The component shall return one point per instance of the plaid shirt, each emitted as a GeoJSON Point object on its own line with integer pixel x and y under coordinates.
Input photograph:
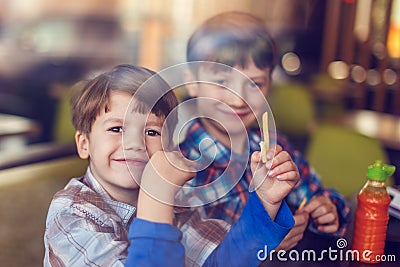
{"type": "Point", "coordinates": [236, 182]}
{"type": "Point", "coordinates": [85, 227]}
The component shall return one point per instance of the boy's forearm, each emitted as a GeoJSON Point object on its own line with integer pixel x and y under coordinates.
{"type": "Point", "coordinates": [153, 210]}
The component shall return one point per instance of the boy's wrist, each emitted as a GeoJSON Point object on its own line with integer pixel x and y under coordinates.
{"type": "Point", "coordinates": [151, 209]}
{"type": "Point", "coordinates": [158, 188]}
{"type": "Point", "coordinates": [271, 208]}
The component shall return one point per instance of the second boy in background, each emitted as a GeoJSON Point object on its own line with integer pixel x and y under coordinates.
{"type": "Point", "coordinates": [241, 41]}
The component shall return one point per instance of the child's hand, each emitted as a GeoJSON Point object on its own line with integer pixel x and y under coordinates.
{"type": "Point", "coordinates": [282, 177]}
{"type": "Point", "coordinates": [162, 177]}
{"type": "Point", "coordinates": [296, 233]}
{"type": "Point", "coordinates": [324, 214]}
{"type": "Point", "coordinates": [171, 167]}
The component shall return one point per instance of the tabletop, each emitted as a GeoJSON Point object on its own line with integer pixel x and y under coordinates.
{"type": "Point", "coordinates": [382, 126]}
{"type": "Point", "coordinates": [12, 125]}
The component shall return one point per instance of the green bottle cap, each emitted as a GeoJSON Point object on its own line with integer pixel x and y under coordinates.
{"type": "Point", "coordinates": [379, 171]}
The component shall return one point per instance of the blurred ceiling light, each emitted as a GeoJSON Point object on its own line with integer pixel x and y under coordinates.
{"type": "Point", "coordinates": [389, 76]}
{"type": "Point", "coordinates": [291, 63]}
{"type": "Point", "coordinates": [373, 77]}
{"type": "Point", "coordinates": [358, 74]}
{"type": "Point", "coordinates": [393, 41]}
{"type": "Point", "coordinates": [362, 20]}
{"type": "Point", "coordinates": [367, 124]}
{"type": "Point", "coordinates": [338, 70]}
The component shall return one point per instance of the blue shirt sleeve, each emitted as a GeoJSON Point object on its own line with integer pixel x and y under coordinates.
{"type": "Point", "coordinates": [154, 244]}
{"type": "Point", "coordinates": [253, 236]}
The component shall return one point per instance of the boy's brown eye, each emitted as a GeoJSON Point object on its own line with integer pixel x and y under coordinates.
{"type": "Point", "coordinates": [256, 85]}
{"type": "Point", "coordinates": [117, 129]}
{"type": "Point", "coordinates": [152, 133]}
{"type": "Point", "coordinates": [221, 82]}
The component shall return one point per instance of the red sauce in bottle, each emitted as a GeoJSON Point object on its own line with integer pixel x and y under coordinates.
{"type": "Point", "coordinates": [371, 216]}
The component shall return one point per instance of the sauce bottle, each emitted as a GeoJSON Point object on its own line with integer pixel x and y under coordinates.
{"type": "Point", "coordinates": [372, 216]}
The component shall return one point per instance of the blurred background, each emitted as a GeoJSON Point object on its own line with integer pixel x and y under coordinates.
{"type": "Point", "coordinates": [339, 69]}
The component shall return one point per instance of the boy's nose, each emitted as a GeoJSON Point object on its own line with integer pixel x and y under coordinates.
{"type": "Point", "coordinates": [134, 140]}
{"type": "Point", "coordinates": [235, 100]}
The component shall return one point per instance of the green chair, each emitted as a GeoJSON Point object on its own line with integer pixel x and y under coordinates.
{"type": "Point", "coordinates": [293, 109]}
{"type": "Point", "coordinates": [341, 157]}
{"type": "Point", "coordinates": [64, 131]}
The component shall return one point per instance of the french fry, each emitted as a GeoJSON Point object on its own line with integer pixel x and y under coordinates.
{"type": "Point", "coordinates": [264, 145]}
{"type": "Point", "coordinates": [303, 203]}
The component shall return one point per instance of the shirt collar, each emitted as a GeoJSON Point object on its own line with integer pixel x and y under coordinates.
{"type": "Point", "coordinates": [123, 210]}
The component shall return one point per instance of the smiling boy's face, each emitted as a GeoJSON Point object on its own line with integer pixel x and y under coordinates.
{"type": "Point", "coordinates": [113, 144]}
{"type": "Point", "coordinates": [242, 98]}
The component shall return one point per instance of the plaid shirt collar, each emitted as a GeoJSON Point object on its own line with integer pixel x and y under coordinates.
{"type": "Point", "coordinates": [123, 210]}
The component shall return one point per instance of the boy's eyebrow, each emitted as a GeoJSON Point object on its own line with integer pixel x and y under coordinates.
{"type": "Point", "coordinates": [153, 123]}
{"type": "Point", "coordinates": [258, 77]}
{"type": "Point", "coordinates": [113, 120]}
{"type": "Point", "coordinates": [222, 71]}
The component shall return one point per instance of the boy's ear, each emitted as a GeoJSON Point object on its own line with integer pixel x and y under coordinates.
{"type": "Point", "coordinates": [190, 84]}
{"type": "Point", "coordinates": [82, 144]}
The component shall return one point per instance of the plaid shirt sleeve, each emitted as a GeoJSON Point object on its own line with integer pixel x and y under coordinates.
{"type": "Point", "coordinates": [310, 185]}
{"type": "Point", "coordinates": [200, 236]}
{"type": "Point", "coordinates": [75, 241]}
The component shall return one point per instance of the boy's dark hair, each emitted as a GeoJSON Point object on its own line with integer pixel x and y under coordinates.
{"type": "Point", "coordinates": [233, 38]}
{"type": "Point", "coordinates": [154, 96]}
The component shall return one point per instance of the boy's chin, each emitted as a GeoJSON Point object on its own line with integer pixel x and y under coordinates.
{"type": "Point", "coordinates": [136, 177]}
{"type": "Point", "coordinates": [134, 186]}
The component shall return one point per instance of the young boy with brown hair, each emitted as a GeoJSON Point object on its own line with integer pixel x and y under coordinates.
{"type": "Point", "coordinates": [125, 133]}
{"type": "Point", "coordinates": [88, 221]}
{"type": "Point", "coordinates": [241, 41]}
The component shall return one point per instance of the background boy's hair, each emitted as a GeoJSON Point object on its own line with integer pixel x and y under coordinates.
{"type": "Point", "coordinates": [154, 96]}
{"type": "Point", "coordinates": [233, 38]}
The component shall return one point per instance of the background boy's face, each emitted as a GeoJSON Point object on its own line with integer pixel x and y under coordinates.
{"type": "Point", "coordinates": [114, 144]}
{"type": "Point", "coordinates": [245, 97]}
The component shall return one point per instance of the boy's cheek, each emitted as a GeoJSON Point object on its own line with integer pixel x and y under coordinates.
{"type": "Point", "coordinates": [153, 148]}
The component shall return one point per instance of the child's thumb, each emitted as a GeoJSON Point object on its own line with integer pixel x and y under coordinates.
{"type": "Point", "coordinates": [255, 161]}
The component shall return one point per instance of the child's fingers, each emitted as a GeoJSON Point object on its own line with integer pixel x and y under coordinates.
{"type": "Point", "coordinates": [323, 210]}
{"type": "Point", "coordinates": [258, 169]}
{"type": "Point", "coordinates": [282, 168]}
{"type": "Point", "coordinates": [255, 161]}
{"type": "Point", "coordinates": [319, 206]}
{"type": "Point", "coordinates": [291, 176]}
{"type": "Point", "coordinates": [256, 156]}
{"type": "Point", "coordinates": [330, 229]}
{"type": "Point", "coordinates": [272, 152]}
{"type": "Point", "coordinates": [328, 218]}
{"type": "Point", "coordinates": [279, 158]}
{"type": "Point", "coordinates": [187, 164]}
{"type": "Point", "coordinates": [173, 167]}
{"type": "Point", "coordinates": [300, 219]}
